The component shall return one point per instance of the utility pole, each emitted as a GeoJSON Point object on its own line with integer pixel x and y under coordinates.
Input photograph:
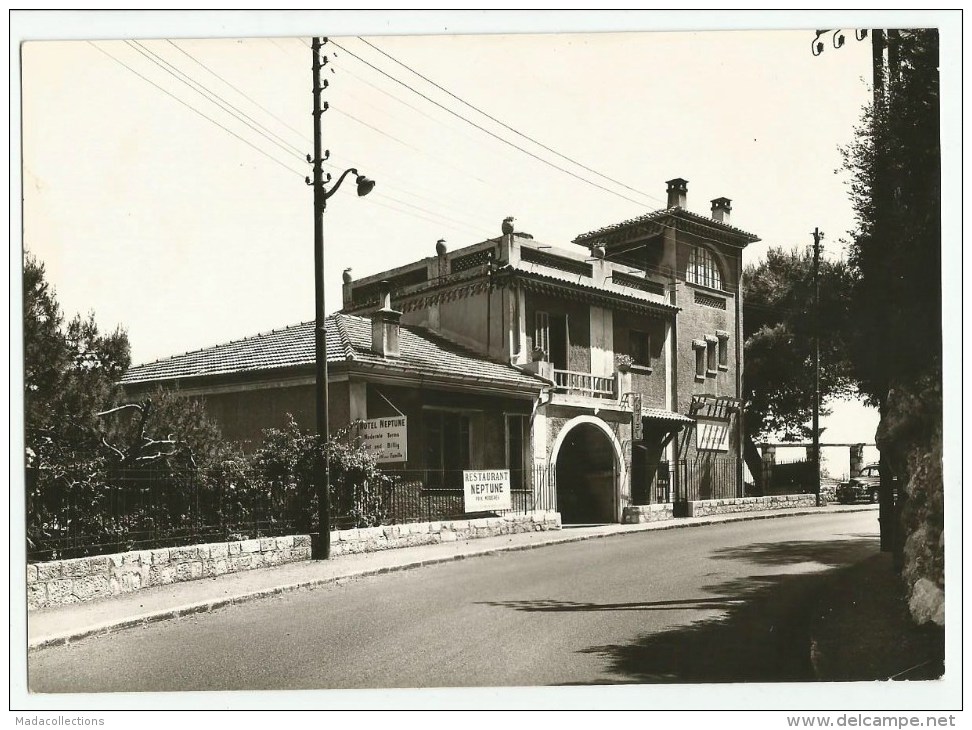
{"type": "Point", "coordinates": [817, 237]}
{"type": "Point", "coordinates": [322, 476]}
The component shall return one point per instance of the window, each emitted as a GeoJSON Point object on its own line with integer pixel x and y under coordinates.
{"type": "Point", "coordinates": [703, 269]}
{"type": "Point", "coordinates": [551, 336]}
{"type": "Point", "coordinates": [723, 350]}
{"type": "Point", "coordinates": [541, 335]}
{"type": "Point", "coordinates": [446, 448]}
{"type": "Point", "coordinates": [518, 449]}
{"type": "Point", "coordinates": [639, 347]}
{"type": "Point", "coordinates": [700, 347]}
{"type": "Point", "coordinates": [710, 355]}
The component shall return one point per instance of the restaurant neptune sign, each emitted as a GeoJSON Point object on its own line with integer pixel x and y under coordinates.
{"type": "Point", "coordinates": [486, 490]}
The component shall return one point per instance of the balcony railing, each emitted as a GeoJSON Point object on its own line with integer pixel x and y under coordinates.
{"type": "Point", "coordinates": [592, 386]}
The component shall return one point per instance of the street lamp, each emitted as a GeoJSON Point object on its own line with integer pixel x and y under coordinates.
{"type": "Point", "coordinates": [323, 480]}
{"type": "Point", "coordinates": [322, 472]}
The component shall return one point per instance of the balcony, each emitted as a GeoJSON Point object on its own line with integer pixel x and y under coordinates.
{"type": "Point", "coordinates": [584, 384]}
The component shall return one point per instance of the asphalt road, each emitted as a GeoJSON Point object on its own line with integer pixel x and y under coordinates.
{"type": "Point", "coordinates": [711, 604]}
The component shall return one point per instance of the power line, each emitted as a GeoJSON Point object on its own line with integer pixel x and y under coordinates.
{"type": "Point", "coordinates": [404, 190]}
{"type": "Point", "coordinates": [527, 152]}
{"type": "Point", "coordinates": [406, 144]}
{"type": "Point", "coordinates": [431, 212]}
{"type": "Point", "coordinates": [425, 218]}
{"type": "Point", "coordinates": [515, 146]}
{"type": "Point", "coordinates": [431, 156]}
{"type": "Point", "coordinates": [505, 125]}
{"type": "Point", "coordinates": [486, 131]}
{"type": "Point", "coordinates": [203, 91]}
{"type": "Point", "coordinates": [238, 90]}
{"type": "Point", "coordinates": [194, 109]}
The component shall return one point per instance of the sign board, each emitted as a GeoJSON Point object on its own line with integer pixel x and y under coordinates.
{"type": "Point", "coordinates": [637, 427]}
{"type": "Point", "coordinates": [387, 438]}
{"type": "Point", "coordinates": [486, 490]}
{"type": "Point", "coordinates": [712, 435]}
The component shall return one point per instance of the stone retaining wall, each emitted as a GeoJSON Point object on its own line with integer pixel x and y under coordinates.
{"type": "Point", "coordinates": [705, 507]}
{"type": "Point", "coordinates": [102, 576]}
{"type": "Point", "coordinates": [637, 514]}
{"type": "Point", "coordinates": [60, 582]}
{"type": "Point", "coordinates": [388, 537]}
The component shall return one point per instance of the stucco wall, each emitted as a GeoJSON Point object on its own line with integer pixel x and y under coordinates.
{"type": "Point", "coordinates": [650, 385]}
{"type": "Point", "coordinates": [242, 415]}
{"type": "Point", "coordinates": [695, 322]}
{"type": "Point", "coordinates": [464, 320]}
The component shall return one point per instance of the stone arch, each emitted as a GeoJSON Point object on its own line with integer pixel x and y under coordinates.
{"type": "Point", "coordinates": [590, 472]}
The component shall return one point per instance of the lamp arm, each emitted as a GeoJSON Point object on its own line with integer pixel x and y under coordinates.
{"type": "Point", "coordinates": [334, 188]}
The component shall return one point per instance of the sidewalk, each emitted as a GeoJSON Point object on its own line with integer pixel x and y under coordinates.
{"type": "Point", "coordinates": [52, 626]}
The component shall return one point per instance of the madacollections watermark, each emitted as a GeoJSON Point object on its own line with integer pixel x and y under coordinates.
{"type": "Point", "coordinates": [59, 721]}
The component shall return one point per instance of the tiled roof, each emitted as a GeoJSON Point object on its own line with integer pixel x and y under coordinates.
{"type": "Point", "coordinates": [616, 292]}
{"type": "Point", "coordinates": [348, 340]}
{"type": "Point", "coordinates": [658, 214]}
{"type": "Point", "coordinates": [658, 414]}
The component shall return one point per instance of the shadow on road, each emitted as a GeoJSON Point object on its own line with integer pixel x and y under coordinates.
{"type": "Point", "coordinates": [849, 550]}
{"type": "Point", "coordinates": [762, 633]}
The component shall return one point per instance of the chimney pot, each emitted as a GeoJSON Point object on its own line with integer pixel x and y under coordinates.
{"type": "Point", "coordinates": [677, 192]}
{"type": "Point", "coordinates": [385, 324]}
{"type": "Point", "coordinates": [721, 208]}
{"type": "Point", "coordinates": [384, 294]}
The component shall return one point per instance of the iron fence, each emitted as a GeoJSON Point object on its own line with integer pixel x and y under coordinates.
{"type": "Point", "coordinates": [144, 509]}
{"type": "Point", "coordinates": [707, 478]}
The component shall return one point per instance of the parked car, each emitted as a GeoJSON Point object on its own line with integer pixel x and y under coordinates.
{"type": "Point", "coordinates": [862, 488]}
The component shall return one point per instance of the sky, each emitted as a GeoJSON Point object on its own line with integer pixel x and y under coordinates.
{"type": "Point", "coordinates": [186, 220]}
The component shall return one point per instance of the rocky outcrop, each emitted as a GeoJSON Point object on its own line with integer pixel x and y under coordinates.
{"type": "Point", "coordinates": [911, 434]}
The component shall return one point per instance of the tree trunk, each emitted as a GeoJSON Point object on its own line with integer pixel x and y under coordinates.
{"type": "Point", "coordinates": [754, 461]}
{"type": "Point", "coordinates": [886, 511]}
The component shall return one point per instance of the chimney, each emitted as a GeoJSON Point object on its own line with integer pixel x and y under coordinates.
{"type": "Point", "coordinates": [677, 192]}
{"type": "Point", "coordinates": [384, 324]}
{"type": "Point", "coordinates": [721, 208]}
{"type": "Point", "coordinates": [347, 293]}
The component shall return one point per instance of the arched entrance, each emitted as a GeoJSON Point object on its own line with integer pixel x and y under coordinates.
{"type": "Point", "coordinates": [587, 474]}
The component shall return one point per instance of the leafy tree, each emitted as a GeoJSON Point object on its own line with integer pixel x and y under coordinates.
{"type": "Point", "coordinates": [83, 441]}
{"type": "Point", "coordinates": [70, 370]}
{"type": "Point", "coordinates": [895, 163]}
{"type": "Point", "coordinates": [779, 340]}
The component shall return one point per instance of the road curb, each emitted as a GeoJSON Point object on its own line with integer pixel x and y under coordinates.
{"type": "Point", "coordinates": [190, 609]}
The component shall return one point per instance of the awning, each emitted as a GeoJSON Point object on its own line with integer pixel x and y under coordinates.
{"type": "Point", "coordinates": [662, 416]}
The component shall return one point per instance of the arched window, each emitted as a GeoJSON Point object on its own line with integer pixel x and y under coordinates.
{"type": "Point", "coordinates": [703, 268]}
